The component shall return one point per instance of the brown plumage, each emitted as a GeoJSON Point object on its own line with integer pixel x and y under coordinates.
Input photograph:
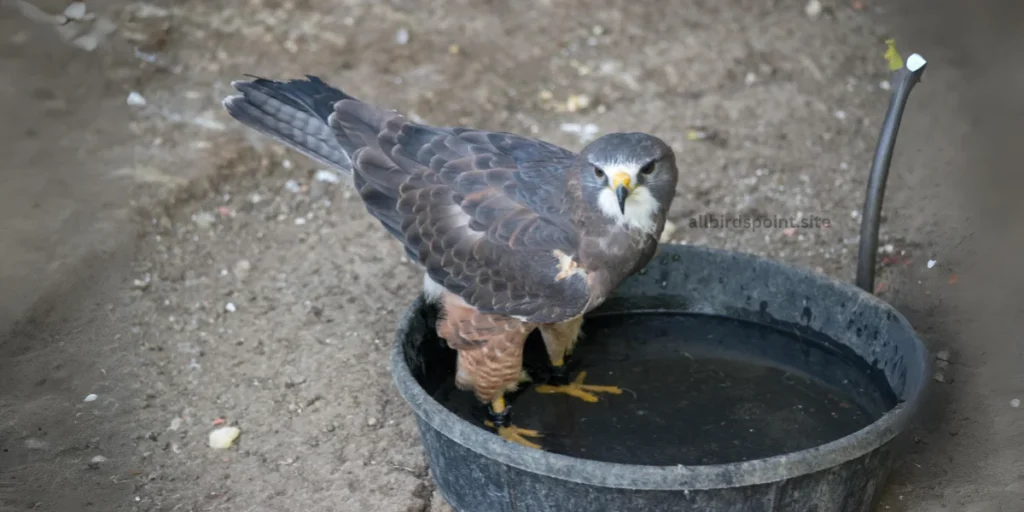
{"type": "Point", "coordinates": [513, 233]}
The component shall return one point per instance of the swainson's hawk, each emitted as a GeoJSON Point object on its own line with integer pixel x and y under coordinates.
{"type": "Point", "coordinates": [514, 233]}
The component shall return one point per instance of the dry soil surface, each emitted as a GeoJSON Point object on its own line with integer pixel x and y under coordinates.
{"type": "Point", "coordinates": [165, 271]}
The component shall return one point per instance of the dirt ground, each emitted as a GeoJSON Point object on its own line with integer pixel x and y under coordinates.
{"type": "Point", "coordinates": [186, 271]}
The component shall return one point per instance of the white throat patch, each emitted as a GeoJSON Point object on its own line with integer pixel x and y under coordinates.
{"type": "Point", "coordinates": [641, 206]}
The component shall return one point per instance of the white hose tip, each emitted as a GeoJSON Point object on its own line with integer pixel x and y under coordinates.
{"type": "Point", "coordinates": [915, 62]}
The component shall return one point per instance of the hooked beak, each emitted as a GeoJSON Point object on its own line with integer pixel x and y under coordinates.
{"type": "Point", "coordinates": [623, 186]}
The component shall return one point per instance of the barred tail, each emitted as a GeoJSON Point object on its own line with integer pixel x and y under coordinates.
{"type": "Point", "coordinates": [294, 113]}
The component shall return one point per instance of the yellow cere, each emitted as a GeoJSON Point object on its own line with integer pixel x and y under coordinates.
{"type": "Point", "coordinates": [621, 179]}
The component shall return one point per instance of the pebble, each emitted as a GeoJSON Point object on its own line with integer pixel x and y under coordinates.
{"type": "Point", "coordinates": [75, 11]}
{"type": "Point", "coordinates": [813, 9]}
{"type": "Point", "coordinates": [230, 307]}
{"type": "Point", "coordinates": [942, 355]}
{"type": "Point", "coordinates": [90, 397]}
{"type": "Point", "coordinates": [300, 221]}
{"type": "Point", "coordinates": [292, 186]}
{"type": "Point", "coordinates": [577, 102]}
{"type": "Point", "coordinates": [136, 100]}
{"type": "Point", "coordinates": [224, 437]}
{"type": "Point", "coordinates": [931, 263]}
{"type": "Point", "coordinates": [175, 424]}
{"type": "Point", "coordinates": [327, 176]}
{"type": "Point", "coordinates": [204, 220]}
{"type": "Point", "coordinates": [840, 115]}
{"type": "Point", "coordinates": [884, 85]}
{"type": "Point", "coordinates": [35, 444]}
{"type": "Point", "coordinates": [1015, 403]}
{"type": "Point", "coordinates": [143, 283]}
{"type": "Point", "coordinates": [242, 268]}
{"type": "Point", "coordinates": [372, 422]}
{"type": "Point", "coordinates": [402, 36]}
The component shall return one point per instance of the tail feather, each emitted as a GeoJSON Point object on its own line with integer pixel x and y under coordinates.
{"type": "Point", "coordinates": [294, 113]}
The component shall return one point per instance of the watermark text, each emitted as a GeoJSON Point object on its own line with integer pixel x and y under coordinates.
{"type": "Point", "coordinates": [756, 222]}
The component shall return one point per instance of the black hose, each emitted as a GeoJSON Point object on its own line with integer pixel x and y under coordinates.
{"type": "Point", "coordinates": [904, 80]}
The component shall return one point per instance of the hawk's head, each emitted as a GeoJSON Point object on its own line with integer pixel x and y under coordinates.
{"type": "Point", "coordinates": [630, 177]}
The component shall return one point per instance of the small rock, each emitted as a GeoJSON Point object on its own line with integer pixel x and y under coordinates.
{"type": "Point", "coordinates": [95, 462]}
{"type": "Point", "coordinates": [813, 9]}
{"type": "Point", "coordinates": [577, 102]}
{"type": "Point", "coordinates": [146, 11]}
{"type": "Point", "coordinates": [143, 283]}
{"type": "Point", "coordinates": [292, 186]}
{"type": "Point", "coordinates": [931, 263]}
{"type": "Point", "coordinates": [840, 115]}
{"type": "Point", "coordinates": [222, 438]}
{"type": "Point", "coordinates": [942, 355]}
{"type": "Point", "coordinates": [1015, 403]}
{"type": "Point", "coordinates": [453, 49]}
{"type": "Point", "coordinates": [750, 78]}
{"type": "Point", "coordinates": [402, 36]}
{"type": "Point", "coordinates": [372, 422]}
{"type": "Point", "coordinates": [706, 135]}
{"type": "Point", "coordinates": [204, 220]}
{"type": "Point", "coordinates": [175, 424]}
{"type": "Point", "coordinates": [91, 397]}
{"type": "Point", "coordinates": [884, 85]}
{"type": "Point", "coordinates": [35, 444]}
{"type": "Point", "coordinates": [327, 176]}
{"type": "Point", "coordinates": [939, 377]}
{"type": "Point", "coordinates": [301, 221]}
{"type": "Point", "coordinates": [75, 11]}
{"type": "Point", "coordinates": [230, 307]}
{"type": "Point", "coordinates": [242, 269]}
{"type": "Point", "coordinates": [136, 100]}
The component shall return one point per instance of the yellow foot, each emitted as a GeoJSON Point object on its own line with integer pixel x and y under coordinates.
{"type": "Point", "coordinates": [578, 389]}
{"type": "Point", "coordinates": [517, 435]}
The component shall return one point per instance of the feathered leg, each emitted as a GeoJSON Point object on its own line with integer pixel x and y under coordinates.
{"type": "Point", "coordinates": [490, 360]}
{"type": "Point", "coordinates": [560, 339]}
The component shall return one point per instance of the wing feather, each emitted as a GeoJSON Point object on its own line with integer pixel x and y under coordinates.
{"type": "Point", "coordinates": [483, 212]}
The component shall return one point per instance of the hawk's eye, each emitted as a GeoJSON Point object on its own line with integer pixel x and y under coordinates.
{"type": "Point", "coordinates": [649, 168]}
{"type": "Point", "coordinates": [599, 173]}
